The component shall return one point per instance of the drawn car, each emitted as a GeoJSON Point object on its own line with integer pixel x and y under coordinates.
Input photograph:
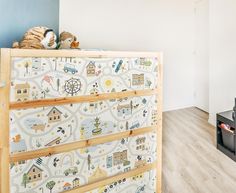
{"type": "Point", "coordinates": [54, 142]}
{"type": "Point", "coordinates": [70, 68]}
{"type": "Point", "coordinates": [140, 189]}
{"type": "Point", "coordinates": [71, 170]}
{"type": "Point", "coordinates": [135, 125]}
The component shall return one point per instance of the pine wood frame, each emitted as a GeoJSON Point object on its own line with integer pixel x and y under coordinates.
{"type": "Point", "coordinates": [6, 105]}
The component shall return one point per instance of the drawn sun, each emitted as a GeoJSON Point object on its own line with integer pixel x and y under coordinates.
{"type": "Point", "coordinates": [108, 82]}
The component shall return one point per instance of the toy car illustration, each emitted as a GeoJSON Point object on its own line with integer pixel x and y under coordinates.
{"type": "Point", "coordinates": [136, 124]}
{"type": "Point", "coordinates": [140, 189]}
{"type": "Point", "coordinates": [54, 142]}
{"type": "Point", "coordinates": [70, 68]}
{"type": "Point", "coordinates": [71, 170]}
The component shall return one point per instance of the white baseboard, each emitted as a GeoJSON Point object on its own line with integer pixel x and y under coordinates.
{"type": "Point", "coordinates": [212, 120]}
{"type": "Point", "coordinates": [177, 108]}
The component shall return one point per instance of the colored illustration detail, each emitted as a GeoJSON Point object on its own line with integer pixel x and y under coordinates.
{"type": "Point", "coordinates": [39, 78]}
{"type": "Point", "coordinates": [30, 129]}
{"type": "Point", "coordinates": [66, 171]}
{"type": "Point", "coordinates": [37, 128]}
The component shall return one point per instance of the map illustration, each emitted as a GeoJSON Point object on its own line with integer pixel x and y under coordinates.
{"type": "Point", "coordinates": [42, 127]}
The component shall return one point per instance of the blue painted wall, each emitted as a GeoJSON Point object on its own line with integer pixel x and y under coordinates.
{"type": "Point", "coordinates": [17, 16]}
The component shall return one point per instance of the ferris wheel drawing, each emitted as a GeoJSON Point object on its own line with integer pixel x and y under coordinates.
{"type": "Point", "coordinates": [72, 86]}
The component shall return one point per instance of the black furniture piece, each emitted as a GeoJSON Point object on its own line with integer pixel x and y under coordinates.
{"type": "Point", "coordinates": [226, 137]}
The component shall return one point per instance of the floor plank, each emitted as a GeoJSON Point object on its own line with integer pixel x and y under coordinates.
{"type": "Point", "coordinates": [191, 162]}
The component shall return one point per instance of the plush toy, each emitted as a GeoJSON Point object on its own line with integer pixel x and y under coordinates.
{"type": "Point", "coordinates": [37, 38]}
{"type": "Point", "coordinates": [68, 41]}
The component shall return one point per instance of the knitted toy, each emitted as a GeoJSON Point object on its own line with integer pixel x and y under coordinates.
{"type": "Point", "coordinates": [37, 38]}
{"type": "Point", "coordinates": [68, 41]}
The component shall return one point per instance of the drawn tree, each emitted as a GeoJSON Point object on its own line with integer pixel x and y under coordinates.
{"type": "Point", "coordinates": [148, 83]}
{"type": "Point", "coordinates": [127, 125]}
{"type": "Point", "coordinates": [70, 127]}
{"type": "Point", "coordinates": [58, 84]}
{"type": "Point", "coordinates": [131, 106]}
{"type": "Point", "coordinates": [41, 188]}
{"type": "Point", "coordinates": [89, 161]}
{"type": "Point", "coordinates": [55, 64]}
{"type": "Point", "coordinates": [27, 67]}
{"type": "Point", "coordinates": [44, 92]}
{"type": "Point", "coordinates": [72, 86]}
{"type": "Point", "coordinates": [50, 185]}
{"type": "Point", "coordinates": [144, 101]}
{"type": "Point", "coordinates": [25, 180]}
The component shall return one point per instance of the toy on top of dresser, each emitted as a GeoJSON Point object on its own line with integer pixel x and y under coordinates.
{"type": "Point", "coordinates": [68, 41]}
{"type": "Point", "coordinates": [37, 38]}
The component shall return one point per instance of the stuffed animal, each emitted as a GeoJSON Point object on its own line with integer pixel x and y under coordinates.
{"type": "Point", "coordinates": [37, 38]}
{"type": "Point", "coordinates": [68, 41]}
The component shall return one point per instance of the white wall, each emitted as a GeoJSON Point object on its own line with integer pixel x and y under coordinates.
{"type": "Point", "coordinates": [201, 72]}
{"type": "Point", "coordinates": [222, 56]}
{"type": "Point", "coordinates": [138, 25]}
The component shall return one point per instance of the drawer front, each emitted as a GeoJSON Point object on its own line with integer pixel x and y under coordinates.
{"type": "Point", "coordinates": [72, 169]}
{"type": "Point", "coordinates": [43, 127]}
{"type": "Point", "coordinates": [40, 78]}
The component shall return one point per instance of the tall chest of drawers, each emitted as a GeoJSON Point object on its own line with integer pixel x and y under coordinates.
{"type": "Point", "coordinates": [80, 121]}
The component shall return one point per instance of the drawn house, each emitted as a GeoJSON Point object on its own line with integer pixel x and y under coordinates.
{"type": "Point", "coordinates": [22, 92]}
{"type": "Point", "coordinates": [97, 175]}
{"type": "Point", "coordinates": [140, 143]}
{"type": "Point", "coordinates": [75, 182]}
{"type": "Point", "coordinates": [91, 69]}
{"type": "Point", "coordinates": [34, 174]}
{"type": "Point", "coordinates": [137, 79]}
{"type": "Point", "coordinates": [67, 186]}
{"type": "Point", "coordinates": [124, 110]}
{"type": "Point", "coordinates": [119, 157]}
{"type": "Point", "coordinates": [54, 115]}
{"type": "Point", "coordinates": [18, 146]}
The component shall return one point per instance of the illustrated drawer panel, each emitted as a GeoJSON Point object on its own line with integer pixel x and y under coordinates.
{"type": "Point", "coordinates": [68, 170]}
{"type": "Point", "coordinates": [141, 183]}
{"type": "Point", "coordinates": [40, 78]}
{"type": "Point", "coordinates": [36, 128]}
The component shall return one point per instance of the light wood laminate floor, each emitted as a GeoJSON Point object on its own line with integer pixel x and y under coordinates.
{"type": "Point", "coordinates": [191, 162]}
